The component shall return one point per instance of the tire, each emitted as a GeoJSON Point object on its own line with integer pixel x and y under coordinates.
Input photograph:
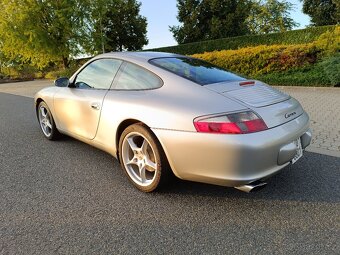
{"type": "Point", "coordinates": [46, 122]}
{"type": "Point", "coordinates": [142, 158]}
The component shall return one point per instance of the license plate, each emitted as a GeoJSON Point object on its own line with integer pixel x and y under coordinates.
{"type": "Point", "coordinates": [299, 151]}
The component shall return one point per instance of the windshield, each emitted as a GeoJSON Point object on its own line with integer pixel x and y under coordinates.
{"type": "Point", "coordinates": [195, 70]}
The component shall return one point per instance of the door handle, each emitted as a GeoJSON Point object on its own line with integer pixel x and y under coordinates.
{"type": "Point", "coordinates": [95, 106]}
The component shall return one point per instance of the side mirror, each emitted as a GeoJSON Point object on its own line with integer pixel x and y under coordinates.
{"type": "Point", "coordinates": [62, 82]}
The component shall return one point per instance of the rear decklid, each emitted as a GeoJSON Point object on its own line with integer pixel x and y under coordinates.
{"type": "Point", "coordinates": [253, 93]}
{"type": "Point", "coordinates": [274, 106]}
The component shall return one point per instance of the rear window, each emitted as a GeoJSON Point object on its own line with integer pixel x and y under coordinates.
{"type": "Point", "coordinates": [195, 70]}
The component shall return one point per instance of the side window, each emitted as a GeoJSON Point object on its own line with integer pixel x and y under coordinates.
{"type": "Point", "coordinates": [98, 74]}
{"type": "Point", "coordinates": [133, 77]}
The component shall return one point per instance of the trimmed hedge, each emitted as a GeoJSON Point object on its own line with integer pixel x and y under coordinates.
{"type": "Point", "coordinates": [331, 69]}
{"type": "Point", "coordinates": [311, 64]}
{"type": "Point", "coordinates": [313, 76]}
{"type": "Point", "coordinates": [290, 37]}
{"type": "Point", "coordinates": [263, 59]}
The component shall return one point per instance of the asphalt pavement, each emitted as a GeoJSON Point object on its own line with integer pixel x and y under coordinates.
{"type": "Point", "coordinates": [66, 197]}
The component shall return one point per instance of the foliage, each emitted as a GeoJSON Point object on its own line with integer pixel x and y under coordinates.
{"type": "Point", "coordinates": [329, 41]}
{"type": "Point", "coordinates": [263, 59]}
{"type": "Point", "coordinates": [22, 72]}
{"type": "Point", "coordinates": [313, 75]}
{"type": "Point", "coordinates": [290, 37]}
{"type": "Point", "coordinates": [52, 75]}
{"type": "Point", "coordinates": [270, 16]}
{"type": "Point", "coordinates": [331, 67]}
{"type": "Point", "coordinates": [210, 19]}
{"type": "Point", "coordinates": [312, 64]}
{"type": "Point", "coordinates": [57, 72]}
{"type": "Point", "coordinates": [324, 73]}
{"type": "Point", "coordinates": [41, 32]}
{"type": "Point", "coordinates": [38, 32]}
{"type": "Point", "coordinates": [322, 12]}
{"type": "Point", "coordinates": [18, 72]}
{"type": "Point", "coordinates": [116, 25]}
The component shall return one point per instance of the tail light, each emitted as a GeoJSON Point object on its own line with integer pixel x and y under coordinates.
{"type": "Point", "coordinates": [233, 123]}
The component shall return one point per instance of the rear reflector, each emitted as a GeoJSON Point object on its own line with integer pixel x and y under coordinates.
{"type": "Point", "coordinates": [234, 123]}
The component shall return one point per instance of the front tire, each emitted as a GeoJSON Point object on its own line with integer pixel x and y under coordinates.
{"type": "Point", "coordinates": [46, 122]}
{"type": "Point", "coordinates": [142, 158]}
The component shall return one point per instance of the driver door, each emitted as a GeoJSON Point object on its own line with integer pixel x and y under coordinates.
{"type": "Point", "coordinates": [78, 106]}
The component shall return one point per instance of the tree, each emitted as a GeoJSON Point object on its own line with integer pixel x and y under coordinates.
{"type": "Point", "coordinates": [116, 26]}
{"type": "Point", "coordinates": [270, 16]}
{"type": "Point", "coordinates": [39, 32]}
{"type": "Point", "coordinates": [322, 12]}
{"type": "Point", "coordinates": [210, 19]}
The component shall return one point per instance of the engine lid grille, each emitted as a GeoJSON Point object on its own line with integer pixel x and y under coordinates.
{"type": "Point", "coordinates": [258, 96]}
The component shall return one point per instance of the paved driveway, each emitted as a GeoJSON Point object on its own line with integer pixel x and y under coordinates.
{"type": "Point", "coordinates": [26, 88]}
{"type": "Point", "coordinates": [68, 198]}
{"type": "Point", "coordinates": [323, 106]}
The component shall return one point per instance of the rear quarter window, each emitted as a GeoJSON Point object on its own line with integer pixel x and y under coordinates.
{"type": "Point", "coordinates": [133, 77]}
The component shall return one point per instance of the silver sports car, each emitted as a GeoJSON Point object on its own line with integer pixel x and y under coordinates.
{"type": "Point", "coordinates": [162, 114]}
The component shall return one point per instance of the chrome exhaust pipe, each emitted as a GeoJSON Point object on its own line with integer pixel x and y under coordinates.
{"type": "Point", "coordinates": [257, 185]}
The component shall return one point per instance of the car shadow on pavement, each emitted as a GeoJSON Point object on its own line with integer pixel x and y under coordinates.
{"type": "Point", "coordinates": [315, 178]}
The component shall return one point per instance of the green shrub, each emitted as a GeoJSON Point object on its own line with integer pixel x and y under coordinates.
{"type": "Point", "coordinates": [331, 68]}
{"type": "Point", "coordinates": [301, 36]}
{"type": "Point", "coordinates": [59, 73]}
{"type": "Point", "coordinates": [18, 72]}
{"type": "Point", "coordinates": [313, 76]}
{"type": "Point", "coordinates": [324, 73]}
{"type": "Point", "coordinates": [80, 61]}
{"type": "Point", "coordinates": [312, 64]}
{"type": "Point", "coordinates": [39, 75]}
{"type": "Point", "coordinates": [10, 72]}
{"type": "Point", "coordinates": [329, 42]}
{"type": "Point", "coordinates": [263, 59]}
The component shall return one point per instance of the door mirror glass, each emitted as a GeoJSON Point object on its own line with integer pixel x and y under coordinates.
{"type": "Point", "coordinates": [62, 82]}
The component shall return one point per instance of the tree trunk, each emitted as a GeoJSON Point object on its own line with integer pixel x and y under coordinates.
{"type": "Point", "coordinates": [66, 62]}
{"type": "Point", "coordinates": [101, 35]}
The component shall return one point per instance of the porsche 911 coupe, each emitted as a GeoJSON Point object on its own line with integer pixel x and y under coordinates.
{"type": "Point", "coordinates": [161, 114]}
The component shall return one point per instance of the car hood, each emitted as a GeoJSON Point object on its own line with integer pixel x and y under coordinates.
{"type": "Point", "coordinates": [274, 106]}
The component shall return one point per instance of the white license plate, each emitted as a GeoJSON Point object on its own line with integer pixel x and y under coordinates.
{"type": "Point", "coordinates": [299, 151]}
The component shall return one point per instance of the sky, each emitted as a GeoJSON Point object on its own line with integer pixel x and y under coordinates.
{"type": "Point", "coordinates": [162, 13]}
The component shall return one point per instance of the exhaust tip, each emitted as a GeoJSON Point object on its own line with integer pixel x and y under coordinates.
{"type": "Point", "coordinates": [254, 186]}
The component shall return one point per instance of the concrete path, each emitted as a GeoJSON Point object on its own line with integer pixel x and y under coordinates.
{"type": "Point", "coordinates": [323, 107]}
{"type": "Point", "coordinates": [26, 88]}
{"type": "Point", "coordinates": [322, 104]}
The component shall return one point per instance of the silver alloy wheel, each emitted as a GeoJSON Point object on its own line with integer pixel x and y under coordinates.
{"type": "Point", "coordinates": [45, 121]}
{"type": "Point", "coordinates": [139, 159]}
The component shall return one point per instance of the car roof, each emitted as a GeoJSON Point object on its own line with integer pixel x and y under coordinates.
{"type": "Point", "coordinates": [143, 56]}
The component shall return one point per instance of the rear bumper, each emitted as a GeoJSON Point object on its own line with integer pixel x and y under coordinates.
{"type": "Point", "coordinates": [232, 160]}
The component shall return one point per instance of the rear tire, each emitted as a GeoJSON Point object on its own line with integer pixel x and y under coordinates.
{"type": "Point", "coordinates": [46, 122]}
{"type": "Point", "coordinates": [142, 158]}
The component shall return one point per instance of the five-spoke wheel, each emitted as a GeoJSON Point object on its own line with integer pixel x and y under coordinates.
{"type": "Point", "coordinates": [141, 157]}
{"type": "Point", "coordinates": [46, 121]}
